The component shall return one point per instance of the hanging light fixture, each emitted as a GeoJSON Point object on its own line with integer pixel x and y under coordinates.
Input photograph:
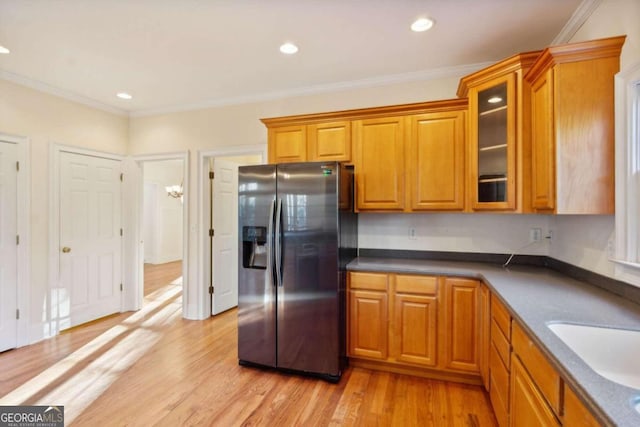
{"type": "Point", "coordinates": [175, 191]}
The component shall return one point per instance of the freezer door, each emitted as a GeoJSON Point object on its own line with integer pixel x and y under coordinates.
{"type": "Point", "coordinates": [256, 287]}
{"type": "Point", "coordinates": [308, 296]}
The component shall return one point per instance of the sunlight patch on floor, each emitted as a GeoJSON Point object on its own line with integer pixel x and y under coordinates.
{"type": "Point", "coordinates": [77, 390]}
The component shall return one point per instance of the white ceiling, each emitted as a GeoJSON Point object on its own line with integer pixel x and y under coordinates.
{"type": "Point", "coordinates": [177, 54]}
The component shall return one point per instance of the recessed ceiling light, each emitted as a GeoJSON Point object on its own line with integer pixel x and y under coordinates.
{"type": "Point", "coordinates": [494, 100]}
{"type": "Point", "coordinates": [288, 48]}
{"type": "Point", "coordinates": [422, 24]}
{"type": "Point", "coordinates": [124, 95]}
{"type": "Point", "coordinates": [4, 50]}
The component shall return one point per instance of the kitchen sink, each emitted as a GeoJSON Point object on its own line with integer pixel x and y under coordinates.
{"type": "Point", "coordinates": [612, 353]}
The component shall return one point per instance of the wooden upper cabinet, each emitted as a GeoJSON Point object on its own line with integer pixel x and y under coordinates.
{"type": "Point", "coordinates": [287, 144]}
{"type": "Point", "coordinates": [498, 159]}
{"type": "Point", "coordinates": [572, 127]}
{"type": "Point", "coordinates": [379, 163]}
{"type": "Point", "coordinates": [329, 141]}
{"type": "Point", "coordinates": [435, 160]}
{"type": "Point", "coordinates": [542, 156]}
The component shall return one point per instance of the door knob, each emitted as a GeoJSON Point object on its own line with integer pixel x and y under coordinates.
{"type": "Point", "coordinates": [66, 250]}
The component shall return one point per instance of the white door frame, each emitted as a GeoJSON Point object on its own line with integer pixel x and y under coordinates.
{"type": "Point", "coordinates": [136, 263]}
{"type": "Point", "coordinates": [202, 297]}
{"type": "Point", "coordinates": [54, 218]}
{"type": "Point", "coordinates": [24, 231]}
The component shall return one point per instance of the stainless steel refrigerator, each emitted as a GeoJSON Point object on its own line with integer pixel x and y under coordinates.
{"type": "Point", "coordinates": [297, 232]}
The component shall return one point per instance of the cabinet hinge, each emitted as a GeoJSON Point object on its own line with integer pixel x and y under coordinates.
{"type": "Point", "coordinates": [121, 287]}
{"type": "Point", "coordinates": [17, 313]}
{"type": "Point", "coordinates": [212, 175]}
{"type": "Point", "coordinates": [211, 232]}
{"type": "Point", "coordinates": [210, 290]}
{"type": "Point", "coordinates": [121, 177]}
{"type": "Point", "coordinates": [121, 232]}
{"type": "Point", "coordinates": [18, 166]}
{"type": "Point", "coordinates": [17, 239]}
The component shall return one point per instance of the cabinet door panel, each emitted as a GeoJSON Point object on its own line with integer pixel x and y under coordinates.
{"type": "Point", "coordinates": [461, 346]}
{"type": "Point", "coordinates": [542, 143]}
{"type": "Point", "coordinates": [493, 144]}
{"type": "Point", "coordinates": [368, 324]}
{"type": "Point", "coordinates": [528, 407]}
{"type": "Point", "coordinates": [436, 161]}
{"type": "Point", "coordinates": [415, 329]}
{"type": "Point", "coordinates": [330, 141]}
{"type": "Point", "coordinates": [379, 163]}
{"type": "Point", "coordinates": [288, 144]}
{"type": "Point", "coordinates": [575, 413]}
{"type": "Point", "coordinates": [539, 368]}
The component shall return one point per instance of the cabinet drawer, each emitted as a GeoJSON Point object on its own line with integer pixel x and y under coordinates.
{"type": "Point", "coordinates": [501, 344]}
{"type": "Point", "coordinates": [426, 285]}
{"type": "Point", "coordinates": [499, 387]}
{"type": "Point", "coordinates": [536, 364]}
{"type": "Point", "coordinates": [371, 281]}
{"type": "Point", "coordinates": [501, 316]}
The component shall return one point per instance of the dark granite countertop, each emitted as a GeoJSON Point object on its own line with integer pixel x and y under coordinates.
{"type": "Point", "coordinates": [536, 296]}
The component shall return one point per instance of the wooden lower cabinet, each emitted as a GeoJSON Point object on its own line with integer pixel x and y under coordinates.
{"type": "Point", "coordinates": [575, 414]}
{"type": "Point", "coordinates": [528, 405]}
{"type": "Point", "coordinates": [368, 308]}
{"type": "Point", "coordinates": [432, 325]}
{"type": "Point", "coordinates": [450, 328]}
{"type": "Point", "coordinates": [461, 307]}
{"type": "Point", "coordinates": [415, 329]}
{"type": "Point", "coordinates": [485, 333]}
{"type": "Point", "coordinates": [500, 361]}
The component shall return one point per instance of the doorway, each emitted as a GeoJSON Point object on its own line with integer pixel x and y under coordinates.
{"type": "Point", "coordinates": [220, 221]}
{"type": "Point", "coordinates": [162, 224]}
{"type": "Point", "coordinates": [8, 246]}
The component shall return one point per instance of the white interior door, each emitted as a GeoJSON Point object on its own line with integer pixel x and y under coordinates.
{"type": "Point", "coordinates": [90, 241]}
{"type": "Point", "coordinates": [8, 246]}
{"type": "Point", "coordinates": [225, 240]}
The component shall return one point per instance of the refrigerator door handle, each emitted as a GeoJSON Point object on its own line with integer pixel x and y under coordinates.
{"type": "Point", "coordinates": [278, 242]}
{"type": "Point", "coordinates": [270, 243]}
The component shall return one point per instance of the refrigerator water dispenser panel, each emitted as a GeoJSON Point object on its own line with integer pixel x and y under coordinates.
{"type": "Point", "coordinates": [254, 247]}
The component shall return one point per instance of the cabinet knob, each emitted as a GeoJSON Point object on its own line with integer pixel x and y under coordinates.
{"type": "Point", "coordinates": [66, 249]}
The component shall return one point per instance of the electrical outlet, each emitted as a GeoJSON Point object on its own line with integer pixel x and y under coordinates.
{"type": "Point", "coordinates": [549, 235]}
{"type": "Point", "coordinates": [412, 234]}
{"type": "Point", "coordinates": [535, 234]}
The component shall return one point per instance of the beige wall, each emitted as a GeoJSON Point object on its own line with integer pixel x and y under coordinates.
{"type": "Point", "coordinates": [45, 119]}
{"type": "Point", "coordinates": [224, 127]}
{"type": "Point", "coordinates": [234, 125]}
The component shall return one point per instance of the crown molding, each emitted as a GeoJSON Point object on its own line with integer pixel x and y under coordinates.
{"type": "Point", "coordinates": [581, 14]}
{"type": "Point", "coordinates": [423, 75]}
{"type": "Point", "coordinates": [61, 93]}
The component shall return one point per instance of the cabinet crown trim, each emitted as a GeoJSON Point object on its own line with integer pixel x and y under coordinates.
{"type": "Point", "coordinates": [506, 66]}
{"type": "Point", "coordinates": [360, 113]}
{"type": "Point", "coordinates": [575, 52]}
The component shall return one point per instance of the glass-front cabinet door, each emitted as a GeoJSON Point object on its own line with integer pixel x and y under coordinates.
{"type": "Point", "coordinates": [492, 145]}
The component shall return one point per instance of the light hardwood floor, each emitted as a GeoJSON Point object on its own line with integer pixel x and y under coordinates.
{"type": "Point", "coordinates": [152, 367]}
